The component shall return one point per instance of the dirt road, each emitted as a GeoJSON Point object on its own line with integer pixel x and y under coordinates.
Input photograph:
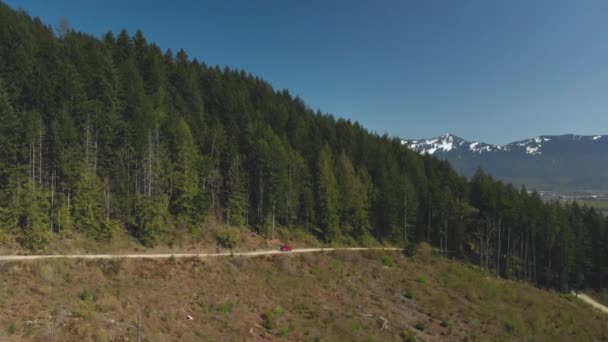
{"type": "Point", "coordinates": [181, 255]}
{"type": "Point", "coordinates": [591, 301]}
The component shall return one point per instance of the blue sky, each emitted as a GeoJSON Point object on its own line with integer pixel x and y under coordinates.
{"type": "Point", "coordinates": [487, 70]}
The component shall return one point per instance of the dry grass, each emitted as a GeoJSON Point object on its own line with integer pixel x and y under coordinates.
{"type": "Point", "coordinates": [329, 297]}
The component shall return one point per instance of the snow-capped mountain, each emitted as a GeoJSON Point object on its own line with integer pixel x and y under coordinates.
{"type": "Point", "coordinates": [449, 142]}
{"type": "Point", "coordinates": [549, 161]}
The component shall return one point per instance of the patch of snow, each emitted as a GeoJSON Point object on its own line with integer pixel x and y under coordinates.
{"type": "Point", "coordinates": [597, 137]}
{"type": "Point", "coordinates": [533, 150]}
{"type": "Point", "coordinates": [473, 145]}
{"type": "Point", "coordinates": [446, 146]}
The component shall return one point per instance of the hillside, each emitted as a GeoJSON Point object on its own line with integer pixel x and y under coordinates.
{"type": "Point", "coordinates": [341, 296]}
{"type": "Point", "coordinates": [110, 136]}
{"type": "Point", "coordinates": [549, 162]}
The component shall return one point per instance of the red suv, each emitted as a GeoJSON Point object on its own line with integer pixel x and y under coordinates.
{"type": "Point", "coordinates": [285, 248]}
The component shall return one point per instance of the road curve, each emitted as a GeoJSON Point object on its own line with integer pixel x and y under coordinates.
{"type": "Point", "coordinates": [182, 255]}
{"type": "Point", "coordinates": [591, 301]}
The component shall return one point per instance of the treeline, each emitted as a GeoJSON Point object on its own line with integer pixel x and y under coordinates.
{"type": "Point", "coordinates": [113, 133]}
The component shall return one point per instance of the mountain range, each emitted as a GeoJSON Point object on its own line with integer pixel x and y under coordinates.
{"type": "Point", "coordinates": [566, 162]}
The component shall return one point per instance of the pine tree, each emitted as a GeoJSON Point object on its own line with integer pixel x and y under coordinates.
{"type": "Point", "coordinates": [29, 215]}
{"type": "Point", "coordinates": [151, 218]}
{"type": "Point", "coordinates": [327, 195]}
{"type": "Point", "coordinates": [184, 178]}
{"type": "Point", "coordinates": [88, 210]}
{"type": "Point", "coordinates": [10, 144]}
{"type": "Point", "coordinates": [237, 196]}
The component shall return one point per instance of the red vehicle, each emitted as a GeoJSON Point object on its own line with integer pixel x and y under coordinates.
{"type": "Point", "coordinates": [285, 248]}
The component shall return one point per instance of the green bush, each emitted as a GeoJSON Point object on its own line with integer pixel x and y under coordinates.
{"type": "Point", "coordinates": [421, 279]}
{"type": "Point", "coordinates": [268, 320]}
{"type": "Point", "coordinates": [367, 240]}
{"type": "Point", "coordinates": [388, 261]}
{"type": "Point", "coordinates": [283, 333]}
{"type": "Point", "coordinates": [227, 240]}
{"type": "Point", "coordinates": [226, 308]}
{"type": "Point", "coordinates": [424, 252]}
{"type": "Point", "coordinates": [11, 329]}
{"type": "Point", "coordinates": [100, 336]}
{"type": "Point", "coordinates": [85, 295]}
{"type": "Point", "coordinates": [407, 336]}
{"type": "Point", "coordinates": [420, 326]}
{"type": "Point", "coordinates": [511, 327]}
{"type": "Point", "coordinates": [410, 248]}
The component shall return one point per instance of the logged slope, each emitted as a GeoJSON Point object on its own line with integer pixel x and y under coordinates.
{"type": "Point", "coordinates": [111, 134]}
{"type": "Point", "coordinates": [549, 162]}
{"type": "Point", "coordinates": [376, 296]}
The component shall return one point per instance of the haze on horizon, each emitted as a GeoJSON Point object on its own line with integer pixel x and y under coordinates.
{"type": "Point", "coordinates": [490, 71]}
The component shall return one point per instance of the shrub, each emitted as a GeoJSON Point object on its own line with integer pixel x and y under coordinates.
{"type": "Point", "coordinates": [424, 252]}
{"type": "Point", "coordinates": [408, 294]}
{"type": "Point", "coordinates": [100, 336]}
{"type": "Point", "coordinates": [421, 279]}
{"type": "Point", "coordinates": [407, 336]}
{"type": "Point", "coordinates": [268, 320]}
{"type": "Point", "coordinates": [367, 240]}
{"type": "Point", "coordinates": [283, 333]}
{"type": "Point", "coordinates": [47, 273]}
{"type": "Point", "coordinates": [226, 308]}
{"type": "Point", "coordinates": [3, 237]}
{"type": "Point", "coordinates": [388, 261]}
{"type": "Point", "coordinates": [227, 239]}
{"type": "Point", "coordinates": [410, 248]}
{"type": "Point", "coordinates": [509, 328]}
{"type": "Point", "coordinates": [11, 329]}
{"type": "Point", "coordinates": [85, 295]}
{"type": "Point", "coordinates": [420, 326]}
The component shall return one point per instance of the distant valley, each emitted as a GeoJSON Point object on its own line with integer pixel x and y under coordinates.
{"type": "Point", "coordinates": [557, 165]}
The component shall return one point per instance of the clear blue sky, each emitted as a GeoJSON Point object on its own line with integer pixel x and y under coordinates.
{"type": "Point", "coordinates": [491, 70]}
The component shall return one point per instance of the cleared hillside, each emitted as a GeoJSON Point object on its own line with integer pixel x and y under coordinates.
{"type": "Point", "coordinates": [336, 296]}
